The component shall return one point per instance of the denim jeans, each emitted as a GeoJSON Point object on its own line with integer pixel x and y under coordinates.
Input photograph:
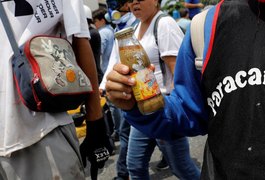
{"type": "Point", "coordinates": [116, 116]}
{"type": "Point", "coordinates": [177, 155]}
{"type": "Point", "coordinates": [121, 165]}
{"type": "Point", "coordinates": [176, 152]}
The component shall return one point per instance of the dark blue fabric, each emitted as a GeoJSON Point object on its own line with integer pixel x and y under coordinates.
{"type": "Point", "coordinates": [124, 133]}
{"type": "Point", "coordinates": [179, 118]}
{"type": "Point", "coordinates": [193, 11]}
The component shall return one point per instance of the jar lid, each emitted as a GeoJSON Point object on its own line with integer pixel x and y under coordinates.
{"type": "Point", "coordinates": [124, 32]}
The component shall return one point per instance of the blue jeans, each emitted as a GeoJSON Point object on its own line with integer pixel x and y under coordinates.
{"type": "Point", "coordinates": [121, 165]}
{"type": "Point", "coordinates": [176, 152]}
{"type": "Point", "coordinates": [116, 116]}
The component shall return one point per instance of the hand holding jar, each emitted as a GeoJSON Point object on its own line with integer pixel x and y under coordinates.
{"type": "Point", "coordinates": [139, 74]}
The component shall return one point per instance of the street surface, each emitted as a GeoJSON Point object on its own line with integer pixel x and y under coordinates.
{"type": "Point", "coordinates": [196, 149]}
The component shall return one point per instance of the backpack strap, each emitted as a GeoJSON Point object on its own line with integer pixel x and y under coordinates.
{"type": "Point", "coordinates": [161, 62]}
{"type": "Point", "coordinates": [197, 37]}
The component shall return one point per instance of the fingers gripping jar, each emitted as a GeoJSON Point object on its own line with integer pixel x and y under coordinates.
{"type": "Point", "coordinates": [146, 91]}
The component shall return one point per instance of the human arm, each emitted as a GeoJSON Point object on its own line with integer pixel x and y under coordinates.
{"type": "Point", "coordinates": [96, 142]}
{"type": "Point", "coordinates": [190, 4]}
{"type": "Point", "coordinates": [114, 58]}
{"type": "Point", "coordinates": [193, 5]}
{"type": "Point", "coordinates": [85, 59]}
{"type": "Point", "coordinates": [185, 112]}
{"type": "Point", "coordinates": [170, 61]}
{"type": "Point", "coordinates": [76, 29]}
{"type": "Point", "coordinates": [169, 39]}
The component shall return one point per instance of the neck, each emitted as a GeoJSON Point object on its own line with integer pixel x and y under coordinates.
{"type": "Point", "coordinates": [149, 19]}
{"type": "Point", "coordinates": [258, 7]}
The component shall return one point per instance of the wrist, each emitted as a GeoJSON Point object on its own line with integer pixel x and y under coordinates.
{"type": "Point", "coordinates": [96, 126]}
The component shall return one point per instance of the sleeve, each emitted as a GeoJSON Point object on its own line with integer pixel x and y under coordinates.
{"type": "Point", "coordinates": [74, 18]}
{"type": "Point", "coordinates": [169, 37]}
{"type": "Point", "coordinates": [185, 112]}
{"type": "Point", "coordinates": [114, 58]}
{"type": "Point", "coordinates": [104, 40]}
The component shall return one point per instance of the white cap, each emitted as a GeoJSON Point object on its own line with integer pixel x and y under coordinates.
{"type": "Point", "coordinates": [87, 12]}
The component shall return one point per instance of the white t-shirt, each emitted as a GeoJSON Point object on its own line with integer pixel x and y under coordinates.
{"type": "Point", "coordinates": [169, 40]}
{"type": "Point", "coordinates": [20, 127]}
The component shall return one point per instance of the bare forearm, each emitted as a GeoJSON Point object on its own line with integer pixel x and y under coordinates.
{"type": "Point", "coordinates": [190, 5]}
{"type": "Point", "coordinates": [85, 59]}
{"type": "Point", "coordinates": [170, 62]}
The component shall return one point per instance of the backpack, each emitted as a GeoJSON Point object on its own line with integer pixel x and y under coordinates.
{"type": "Point", "coordinates": [197, 37]}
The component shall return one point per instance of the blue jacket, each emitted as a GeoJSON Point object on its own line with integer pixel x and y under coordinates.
{"type": "Point", "coordinates": [107, 40]}
{"type": "Point", "coordinates": [185, 111]}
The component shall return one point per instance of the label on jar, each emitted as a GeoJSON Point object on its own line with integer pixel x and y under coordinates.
{"type": "Point", "coordinates": [146, 84]}
{"type": "Point", "coordinates": [134, 57]}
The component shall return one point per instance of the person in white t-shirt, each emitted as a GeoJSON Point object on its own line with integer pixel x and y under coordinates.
{"type": "Point", "coordinates": [169, 38]}
{"type": "Point", "coordinates": [38, 145]}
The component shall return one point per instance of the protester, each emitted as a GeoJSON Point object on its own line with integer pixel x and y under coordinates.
{"type": "Point", "coordinates": [141, 147]}
{"type": "Point", "coordinates": [194, 7]}
{"type": "Point", "coordinates": [40, 145]}
{"type": "Point", "coordinates": [224, 100]}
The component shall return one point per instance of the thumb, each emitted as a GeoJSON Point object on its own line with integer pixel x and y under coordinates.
{"type": "Point", "coordinates": [152, 67]}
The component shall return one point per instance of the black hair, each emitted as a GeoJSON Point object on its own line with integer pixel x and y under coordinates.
{"type": "Point", "coordinates": [99, 14]}
{"type": "Point", "coordinates": [89, 21]}
{"type": "Point", "coordinates": [183, 12]}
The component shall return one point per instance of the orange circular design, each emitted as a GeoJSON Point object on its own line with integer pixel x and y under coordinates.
{"type": "Point", "coordinates": [70, 75]}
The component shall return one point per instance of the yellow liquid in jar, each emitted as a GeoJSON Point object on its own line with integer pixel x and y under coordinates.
{"type": "Point", "coordinates": [146, 90]}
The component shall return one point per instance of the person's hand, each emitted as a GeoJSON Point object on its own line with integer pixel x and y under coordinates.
{"type": "Point", "coordinates": [200, 5]}
{"type": "Point", "coordinates": [119, 87]}
{"type": "Point", "coordinates": [101, 92]}
{"type": "Point", "coordinates": [96, 146]}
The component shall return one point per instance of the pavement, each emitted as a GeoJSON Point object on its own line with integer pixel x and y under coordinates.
{"type": "Point", "coordinates": [196, 150]}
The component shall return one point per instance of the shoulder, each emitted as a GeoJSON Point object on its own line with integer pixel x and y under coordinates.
{"type": "Point", "coordinates": [167, 25]}
{"type": "Point", "coordinates": [106, 32]}
{"type": "Point", "coordinates": [106, 28]}
{"type": "Point", "coordinates": [167, 21]}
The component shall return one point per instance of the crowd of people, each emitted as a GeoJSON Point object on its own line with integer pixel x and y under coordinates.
{"type": "Point", "coordinates": [222, 100]}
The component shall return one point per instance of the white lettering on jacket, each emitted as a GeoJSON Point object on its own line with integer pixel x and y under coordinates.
{"type": "Point", "coordinates": [229, 84]}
